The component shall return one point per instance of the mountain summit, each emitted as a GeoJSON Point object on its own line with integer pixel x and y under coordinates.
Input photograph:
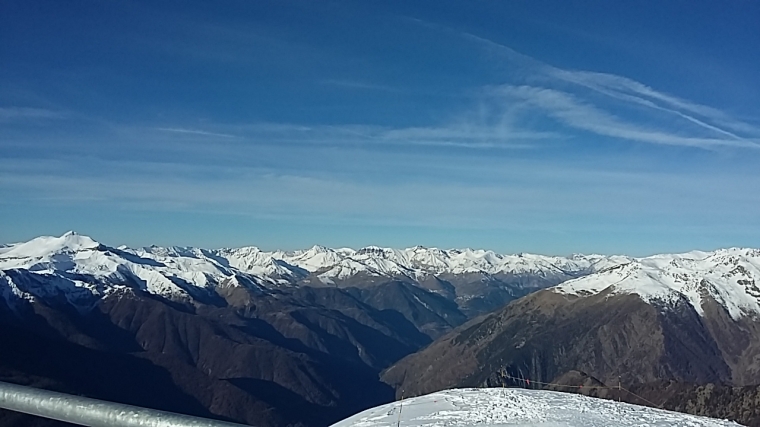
{"type": "Point", "coordinates": [730, 277]}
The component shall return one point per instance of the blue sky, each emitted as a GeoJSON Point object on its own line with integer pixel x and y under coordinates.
{"type": "Point", "coordinates": [521, 126]}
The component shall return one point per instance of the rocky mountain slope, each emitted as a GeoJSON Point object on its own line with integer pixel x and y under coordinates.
{"type": "Point", "coordinates": [270, 362]}
{"type": "Point", "coordinates": [690, 318]}
{"type": "Point", "coordinates": [268, 338]}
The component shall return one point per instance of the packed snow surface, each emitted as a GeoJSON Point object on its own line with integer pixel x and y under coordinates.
{"type": "Point", "coordinates": [518, 407]}
{"type": "Point", "coordinates": [729, 276]}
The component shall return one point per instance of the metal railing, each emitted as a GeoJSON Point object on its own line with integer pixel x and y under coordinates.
{"type": "Point", "coordinates": [92, 412]}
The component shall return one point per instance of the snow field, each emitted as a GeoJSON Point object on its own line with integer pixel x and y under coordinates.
{"type": "Point", "coordinates": [518, 407]}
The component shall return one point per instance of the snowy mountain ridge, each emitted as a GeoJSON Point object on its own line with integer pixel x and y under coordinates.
{"type": "Point", "coordinates": [418, 260]}
{"type": "Point", "coordinates": [729, 276]}
{"type": "Point", "coordinates": [157, 266]}
{"type": "Point", "coordinates": [82, 269]}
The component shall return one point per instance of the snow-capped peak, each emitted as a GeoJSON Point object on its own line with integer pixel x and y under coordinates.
{"type": "Point", "coordinates": [49, 245]}
{"type": "Point", "coordinates": [80, 269]}
{"type": "Point", "coordinates": [729, 276]}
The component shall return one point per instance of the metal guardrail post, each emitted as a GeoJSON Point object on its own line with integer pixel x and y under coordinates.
{"type": "Point", "coordinates": [92, 412]}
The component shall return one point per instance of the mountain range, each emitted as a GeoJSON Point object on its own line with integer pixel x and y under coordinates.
{"type": "Point", "coordinates": [244, 334]}
{"type": "Point", "coordinates": [309, 337]}
{"type": "Point", "coordinates": [476, 280]}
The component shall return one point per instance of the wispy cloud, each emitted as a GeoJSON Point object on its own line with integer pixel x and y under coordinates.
{"type": "Point", "coordinates": [196, 132]}
{"type": "Point", "coordinates": [466, 133]}
{"type": "Point", "coordinates": [597, 103]}
{"type": "Point", "coordinates": [629, 90]}
{"type": "Point", "coordinates": [571, 111]}
{"type": "Point", "coordinates": [355, 84]}
{"type": "Point", "coordinates": [8, 114]}
{"type": "Point", "coordinates": [469, 135]}
{"type": "Point", "coordinates": [552, 191]}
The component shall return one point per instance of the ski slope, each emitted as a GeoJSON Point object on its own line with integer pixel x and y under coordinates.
{"type": "Point", "coordinates": [518, 407]}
